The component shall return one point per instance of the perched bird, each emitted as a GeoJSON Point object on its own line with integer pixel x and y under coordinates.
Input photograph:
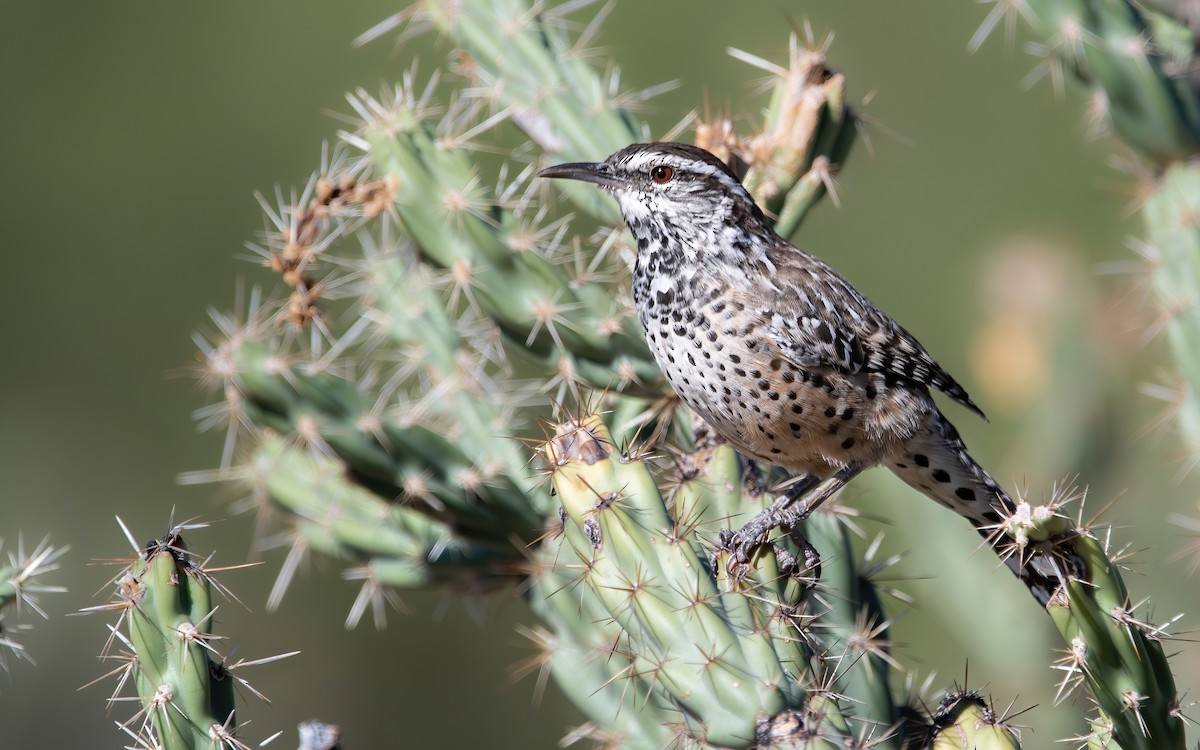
{"type": "Point", "coordinates": [775, 350]}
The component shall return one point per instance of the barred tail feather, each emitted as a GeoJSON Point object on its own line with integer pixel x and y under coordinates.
{"type": "Point", "coordinates": [936, 462]}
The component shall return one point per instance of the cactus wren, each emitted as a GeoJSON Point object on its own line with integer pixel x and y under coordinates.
{"type": "Point", "coordinates": [782, 357]}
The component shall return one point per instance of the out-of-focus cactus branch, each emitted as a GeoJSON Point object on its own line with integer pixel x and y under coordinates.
{"type": "Point", "coordinates": [21, 591]}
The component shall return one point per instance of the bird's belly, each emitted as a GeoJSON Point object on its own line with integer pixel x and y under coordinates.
{"type": "Point", "coordinates": [808, 420]}
{"type": "Point", "coordinates": [770, 408]}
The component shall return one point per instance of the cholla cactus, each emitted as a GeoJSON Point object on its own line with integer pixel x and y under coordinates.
{"type": "Point", "coordinates": [377, 429]}
{"type": "Point", "coordinates": [20, 590]}
{"type": "Point", "coordinates": [164, 602]}
{"type": "Point", "coordinates": [1137, 63]}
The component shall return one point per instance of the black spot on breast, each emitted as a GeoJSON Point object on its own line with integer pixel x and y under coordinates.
{"type": "Point", "coordinates": [831, 412]}
{"type": "Point", "coordinates": [848, 443]}
{"type": "Point", "coordinates": [797, 409]}
{"type": "Point", "coordinates": [965, 493]}
{"type": "Point", "coordinates": [846, 415]}
{"type": "Point", "coordinates": [941, 475]}
{"type": "Point", "coordinates": [776, 363]}
{"type": "Point", "coordinates": [762, 384]}
{"type": "Point", "coordinates": [734, 358]}
{"type": "Point", "coordinates": [773, 395]}
{"type": "Point", "coordinates": [921, 459]}
{"type": "Point", "coordinates": [794, 426]}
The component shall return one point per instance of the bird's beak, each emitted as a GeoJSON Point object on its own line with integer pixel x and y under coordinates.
{"type": "Point", "coordinates": [597, 173]}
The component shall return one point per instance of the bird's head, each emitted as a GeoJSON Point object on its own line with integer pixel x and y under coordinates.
{"type": "Point", "coordinates": [667, 186]}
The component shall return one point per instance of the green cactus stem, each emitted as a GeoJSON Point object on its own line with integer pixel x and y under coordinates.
{"type": "Point", "coordinates": [1120, 657]}
{"type": "Point", "coordinates": [187, 696]}
{"type": "Point", "coordinates": [965, 721]}
{"type": "Point", "coordinates": [184, 685]}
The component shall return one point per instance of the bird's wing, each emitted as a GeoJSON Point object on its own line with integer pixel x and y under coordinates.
{"type": "Point", "coordinates": [818, 319]}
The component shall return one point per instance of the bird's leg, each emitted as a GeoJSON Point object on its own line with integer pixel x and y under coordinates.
{"type": "Point", "coordinates": [793, 515]}
{"type": "Point", "coordinates": [788, 510]}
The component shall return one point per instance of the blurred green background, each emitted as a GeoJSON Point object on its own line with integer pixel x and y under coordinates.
{"type": "Point", "coordinates": [134, 137]}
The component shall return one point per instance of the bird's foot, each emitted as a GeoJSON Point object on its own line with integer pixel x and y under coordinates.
{"type": "Point", "coordinates": [741, 544]}
{"type": "Point", "coordinates": [787, 512]}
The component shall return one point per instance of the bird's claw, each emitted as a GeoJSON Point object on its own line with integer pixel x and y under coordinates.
{"type": "Point", "coordinates": [741, 544]}
{"type": "Point", "coordinates": [786, 514]}
{"type": "Point", "coordinates": [806, 568]}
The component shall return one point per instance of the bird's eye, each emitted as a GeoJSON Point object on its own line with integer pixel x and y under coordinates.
{"type": "Point", "coordinates": [661, 174]}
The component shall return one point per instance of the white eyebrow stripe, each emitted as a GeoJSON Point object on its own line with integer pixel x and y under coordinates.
{"type": "Point", "coordinates": [643, 160]}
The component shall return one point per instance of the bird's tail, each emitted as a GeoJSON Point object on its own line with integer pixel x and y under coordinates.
{"type": "Point", "coordinates": [937, 463]}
